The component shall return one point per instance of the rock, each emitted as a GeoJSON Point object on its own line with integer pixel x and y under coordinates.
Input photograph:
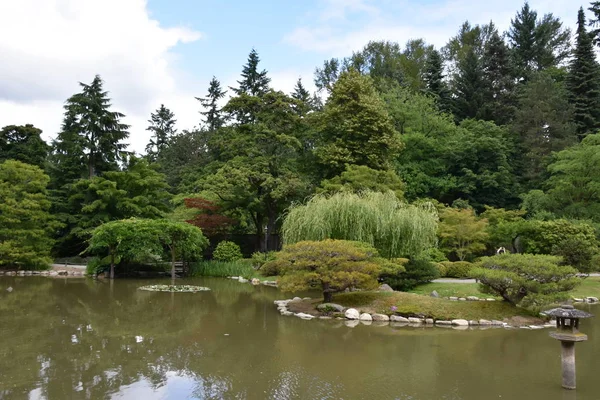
{"type": "Point", "coordinates": [591, 299]}
{"type": "Point", "coordinates": [45, 273]}
{"type": "Point", "coordinates": [351, 323]}
{"type": "Point", "coordinates": [324, 317]}
{"type": "Point", "coordinates": [484, 322]}
{"type": "Point", "coordinates": [287, 313]}
{"type": "Point", "coordinates": [304, 315]}
{"type": "Point", "coordinates": [380, 317]}
{"type": "Point", "coordinates": [306, 298]}
{"type": "Point", "coordinates": [28, 273]}
{"type": "Point", "coordinates": [53, 273]}
{"type": "Point", "coordinates": [281, 302]}
{"type": "Point", "coordinates": [9, 289]}
{"type": "Point", "coordinates": [255, 281]}
{"type": "Point", "coordinates": [453, 298]}
{"type": "Point", "coordinates": [497, 323]}
{"type": "Point", "coordinates": [462, 299]}
{"type": "Point", "coordinates": [429, 321]}
{"type": "Point", "coordinates": [445, 323]}
{"type": "Point", "coordinates": [472, 298]}
{"type": "Point", "coordinates": [460, 322]}
{"type": "Point", "coordinates": [435, 294]}
{"type": "Point", "coordinates": [242, 280]}
{"type": "Point", "coordinates": [365, 317]}
{"type": "Point", "coordinates": [385, 288]}
{"type": "Point", "coordinates": [1, 273]}
{"type": "Point", "coordinates": [352, 313]}
{"type": "Point", "coordinates": [473, 323]}
{"type": "Point", "coordinates": [296, 299]}
{"type": "Point", "coordinates": [63, 272]}
{"type": "Point", "coordinates": [481, 299]}
{"type": "Point", "coordinates": [330, 306]}
{"type": "Point", "coordinates": [413, 320]}
{"type": "Point", "coordinates": [36, 272]}
{"type": "Point", "coordinates": [21, 273]}
{"type": "Point", "coordinates": [282, 308]}
{"type": "Point", "coordinates": [490, 299]}
{"type": "Point", "coordinates": [398, 318]}
{"type": "Point", "coordinates": [536, 327]}
{"type": "Point", "coordinates": [235, 277]}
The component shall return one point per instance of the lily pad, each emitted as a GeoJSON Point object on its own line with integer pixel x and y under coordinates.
{"type": "Point", "coordinates": [174, 288]}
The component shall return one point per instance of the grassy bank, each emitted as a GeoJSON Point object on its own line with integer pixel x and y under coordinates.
{"type": "Point", "coordinates": [224, 269]}
{"type": "Point", "coordinates": [411, 304]}
{"type": "Point", "coordinates": [589, 287]}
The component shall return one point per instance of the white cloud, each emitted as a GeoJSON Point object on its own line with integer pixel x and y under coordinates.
{"type": "Point", "coordinates": [48, 46]}
{"type": "Point", "coordinates": [403, 20]}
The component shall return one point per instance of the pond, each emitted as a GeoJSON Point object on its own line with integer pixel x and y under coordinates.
{"type": "Point", "coordinates": [85, 339]}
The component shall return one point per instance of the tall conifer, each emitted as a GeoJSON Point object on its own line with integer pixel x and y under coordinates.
{"type": "Point", "coordinates": [213, 116]}
{"type": "Point", "coordinates": [162, 126]}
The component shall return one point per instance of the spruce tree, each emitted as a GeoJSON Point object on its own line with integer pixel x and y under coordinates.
{"type": "Point", "coordinates": [434, 81]}
{"type": "Point", "coordinates": [213, 117]}
{"type": "Point", "coordinates": [162, 127]}
{"type": "Point", "coordinates": [468, 85]}
{"type": "Point", "coordinates": [595, 22]}
{"type": "Point", "coordinates": [304, 98]}
{"type": "Point", "coordinates": [92, 133]}
{"type": "Point", "coordinates": [583, 82]}
{"type": "Point", "coordinates": [254, 82]}
{"type": "Point", "coordinates": [498, 83]}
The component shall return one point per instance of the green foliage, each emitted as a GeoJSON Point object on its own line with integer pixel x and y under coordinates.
{"type": "Point", "coordinates": [26, 225]}
{"type": "Point", "coordinates": [416, 272]}
{"type": "Point", "coordinates": [259, 259]}
{"type": "Point", "coordinates": [213, 115]}
{"type": "Point", "coordinates": [457, 269]}
{"type": "Point", "coordinates": [358, 178]}
{"type": "Point", "coordinates": [441, 269]}
{"type": "Point", "coordinates": [23, 143]}
{"type": "Point", "coordinates": [525, 279]}
{"type": "Point", "coordinates": [354, 127]}
{"type": "Point", "coordinates": [162, 128]}
{"type": "Point", "coordinates": [227, 251]}
{"type": "Point", "coordinates": [332, 265]}
{"type": "Point", "coordinates": [254, 82]}
{"type": "Point", "coordinates": [462, 233]}
{"type": "Point", "coordinates": [394, 228]}
{"type": "Point", "coordinates": [222, 269]}
{"type": "Point", "coordinates": [577, 252]}
{"type": "Point", "coordinates": [503, 227]}
{"type": "Point", "coordinates": [540, 237]}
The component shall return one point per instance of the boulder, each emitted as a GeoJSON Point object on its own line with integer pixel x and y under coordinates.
{"type": "Point", "coordinates": [413, 320]}
{"type": "Point", "coordinates": [472, 298]}
{"type": "Point", "coordinates": [304, 315]}
{"type": "Point", "coordinates": [330, 306]}
{"type": "Point", "coordinates": [242, 280]}
{"type": "Point", "coordinates": [453, 298]}
{"type": "Point", "coordinates": [435, 294]}
{"type": "Point", "coordinates": [324, 317]}
{"type": "Point", "coordinates": [577, 300]}
{"type": "Point", "coordinates": [443, 323]}
{"type": "Point", "coordinates": [462, 299]}
{"type": "Point", "coordinates": [490, 299]}
{"type": "Point", "coordinates": [287, 313]}
{"type": "Point", "coordinates": [460, 322]}
{"type": "Point", "coordinates": [484, 322]}
{"type": "Point", "coordinates": [352, 313]}
{"type": "Point", "coordinates": [380, 317]}
{"type": "Point", "coordinates": [235, 277]}
{"type": "Point", "coordinates": [497, 323]}
{"type": "Point", "coordinates": [592, 299]}
{"type": "Point", "coordinates": [63, 272]}
{"type": "Point", "coordinates": [385, 288]}
{"type": "Point", "coordinates": [429, 321]}
{"type": "Point", "coordinates": [365, 317]}
{"type": "Point", "coordinates": [296, 299]}
{"type": "Point", "coordinates": [28, 273]}
{"type": "Point", "coordinates": [53, 273]}
{"type": "Point", "coordinates": [306, 298]}
{"type": "Point", "coordinates": [398, 318]}
{"type": "Point", "coordinates": [1, 273]}
{"type": "Point", "coordinates": [255, 281]}
{"type": "Point", "coordinates": [9, 289]}
{"type": "Point", "coordinates": [474, 323]}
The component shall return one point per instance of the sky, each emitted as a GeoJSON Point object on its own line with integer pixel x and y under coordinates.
{"type": "Point", "coordinates": [153, 52]}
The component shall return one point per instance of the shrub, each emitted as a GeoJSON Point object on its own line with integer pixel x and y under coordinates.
{"type": "Point", "coordinates": [227, 251]}
{"type": "Point", "coordinates": [526, 279]}
{"type": "Point", "coordinates": [462, 233]}
{"type": "Point", "coordinates": [576, 252]}
{"type": "Point", "coordinates": [416, 272]}
{"type": "Point", "coordinates": [332, 265]}
{"type": "Point", "coordinates": [442, 269]}
{"type": "Point", "coordinates": [259, 259]}
{"type": "Point", "coordinates": [595, 263]}
{"type": "Point", "coordinates": [539, 237]}
{"type": "Point", "coordinates": [458, 269]}
{"type": "Point", "coordinates": [97, 265]}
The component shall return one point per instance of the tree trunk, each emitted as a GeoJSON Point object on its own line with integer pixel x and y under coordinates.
{"type": "Point", "coordinates": [173, 265]}
{"type": "Point", "coordinates": [91, 164]}
{"type": "Point", "coordinates": [112, 265]}
{"type": "Point", "coordinates": [271, 227]}
{"type": "Point", "coordinates": [327, 293]}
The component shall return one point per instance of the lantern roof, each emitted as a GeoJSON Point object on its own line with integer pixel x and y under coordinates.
{"type": "Point", "coordinates": [567, 311]}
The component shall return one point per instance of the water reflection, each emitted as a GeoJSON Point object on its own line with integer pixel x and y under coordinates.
{"type": "Point", "coordinates": [81, 339]}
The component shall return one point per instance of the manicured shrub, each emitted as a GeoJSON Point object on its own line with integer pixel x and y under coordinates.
{"type": "Point", "coordinates": [259, 259]}
{"type": "Point", "coordinates": [576, 252]}
{"type": "Point", "coordinates": [331, 265]}
{"type": "Point", "coordinates": [526, 279]}
{"type": "Point", "coordinates": [442, 269]}
{"type": "Point", "coordinates": [227, 251]}
{"type": "Point", "coordinates": [416, 272]}
{"type": "Point", "coordinates": [458, 269]}
{"type": "Point", "coordinates": [540, 237]}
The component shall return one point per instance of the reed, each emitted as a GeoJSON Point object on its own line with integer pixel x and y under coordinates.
{"type": "Point", "coordinates": [222, 268]}
{"type": "Point", "coordinates": [394, 228]}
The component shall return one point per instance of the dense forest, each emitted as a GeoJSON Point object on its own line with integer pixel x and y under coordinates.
{"type": "Point", "coordinates": [501, 130]}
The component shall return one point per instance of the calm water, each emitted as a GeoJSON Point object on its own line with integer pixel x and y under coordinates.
{"type": "Point", "coordinates": [80, 339]}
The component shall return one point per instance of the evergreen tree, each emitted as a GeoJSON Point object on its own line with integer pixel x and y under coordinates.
{"type": "Point", "coordinates": [304, 98]}
{"type": "Point", "coordinates": [213, 117]}
{"type": "Point", "coordinates": [253, 83]}
{"type": "Point", "coordinates": [537, 44]}
{"type": "Point", "coordinates": [468, 85]}
{"type": "Point", "coordinates": [595, 22]}
{"type": "Point", "coordinates": [497, 82]}
{"type": "Point", "coordinates": [23, 143]}
{"type": "Point", "coordinates": [583, 81]}
{"type": "Point", "coordinates": [162, 126]}
{"type": "Point", "coordinates": [92, 134]}
{"type": "Point", "coordinates": [434, 81]}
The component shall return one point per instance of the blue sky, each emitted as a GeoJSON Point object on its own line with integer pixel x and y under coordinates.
{"type": "Point", "coordinates": [151, 52]}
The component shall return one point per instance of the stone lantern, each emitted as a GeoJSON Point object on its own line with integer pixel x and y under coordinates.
{"type": "Point", "coordinates": [567, 331]}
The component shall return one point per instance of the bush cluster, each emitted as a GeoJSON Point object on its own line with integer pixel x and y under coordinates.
{"type": "Point", "coordinates": [227, 251]}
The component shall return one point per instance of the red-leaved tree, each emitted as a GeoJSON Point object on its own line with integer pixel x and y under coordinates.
{"type": "Point", "coordinates": [209, 218]}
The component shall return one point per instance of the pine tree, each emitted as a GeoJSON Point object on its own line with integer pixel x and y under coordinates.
{"type": "Point", "coordinates": [162, 126]}
{"type": "Point", "coordinates": [434, 81]}
{"type": "Point", "coordinates": [497, 82]}
{"type": "Point", "coordinates": [468, 85]}
{"type": "Point", "coordinates": [304, 98]}
{"type": "Point", "coordinates": [23, 143]}
{"type": "Point", "coordinates": [253, 83]}
{"type": "Point", "coordinates": [91, 134]}
{"type": "Point", "coordinates": [537, 44]}
{"type": "Point", "coordinates": [595, 22]}
{"type": "Point", "coordinates": [583, 82]}
{"type": "Point", "coordinates": [213, 117]}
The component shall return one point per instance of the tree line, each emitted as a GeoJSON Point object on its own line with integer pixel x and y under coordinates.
{"type": "Point", "coordinates": [492, 120]}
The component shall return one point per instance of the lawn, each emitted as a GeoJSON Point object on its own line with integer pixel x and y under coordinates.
{"type": "Point", "coordinates": [411, 304]}
{"type": "Point", "coordinates": [589, 287]}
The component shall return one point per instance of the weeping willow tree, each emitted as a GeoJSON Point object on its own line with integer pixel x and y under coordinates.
{"type": "Point", "coordinates": [394, 228]}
